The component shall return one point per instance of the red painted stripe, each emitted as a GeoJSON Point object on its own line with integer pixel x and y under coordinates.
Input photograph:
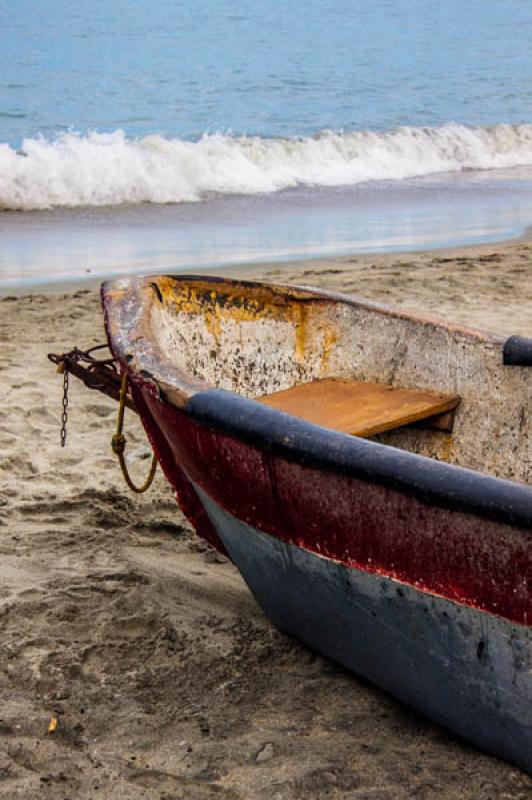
{"type": "Point", "coordinates": [483, 564]}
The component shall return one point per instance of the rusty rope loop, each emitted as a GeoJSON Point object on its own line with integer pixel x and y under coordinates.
{"type": "Point", "coordinates": [118, 443]}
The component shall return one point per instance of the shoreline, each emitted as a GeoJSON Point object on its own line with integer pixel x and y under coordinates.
{"type": "Point", "coordinates": [60, 286]}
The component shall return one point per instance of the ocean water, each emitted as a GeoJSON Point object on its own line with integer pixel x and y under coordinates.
{"type": "Point", "coordinates": [138, 136]}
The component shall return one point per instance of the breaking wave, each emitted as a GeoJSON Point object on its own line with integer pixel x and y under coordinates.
{"type": "Point", "coordinates": [111, 169]}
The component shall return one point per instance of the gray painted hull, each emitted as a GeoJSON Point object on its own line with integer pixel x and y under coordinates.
{"type": "Point", "coordinates": [466, 669]}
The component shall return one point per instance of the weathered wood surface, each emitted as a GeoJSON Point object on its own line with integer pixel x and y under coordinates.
{"type": "Point", "coordinates": [358, 407]}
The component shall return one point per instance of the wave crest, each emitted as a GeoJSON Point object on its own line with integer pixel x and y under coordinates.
{"type": "Point", "coordinates": [111, 169]}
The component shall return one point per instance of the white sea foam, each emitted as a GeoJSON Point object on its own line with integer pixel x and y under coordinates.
{"type": "Point", "coordinates": [111, 169]}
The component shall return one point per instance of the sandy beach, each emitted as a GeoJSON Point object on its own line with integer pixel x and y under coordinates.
{"type": "Point", "coordinates": [164, 677]}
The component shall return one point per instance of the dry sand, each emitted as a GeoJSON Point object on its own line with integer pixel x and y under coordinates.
{"type": "Point", "coordinates": [164, 676]}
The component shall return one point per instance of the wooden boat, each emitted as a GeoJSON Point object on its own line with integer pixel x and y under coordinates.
{"type": "Point", "coordinates": [365, 469]}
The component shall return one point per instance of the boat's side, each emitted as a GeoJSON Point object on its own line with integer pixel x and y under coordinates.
{"type": "Point", "coordinates": [430, 603]}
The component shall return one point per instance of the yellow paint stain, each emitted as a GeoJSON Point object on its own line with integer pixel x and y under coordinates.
{"type": "Point", "coordinates": [301, 331]}
{"type": "Point", "coordinates": [329, 340]}
{"type": "Point", "coordinates": [217, 306]}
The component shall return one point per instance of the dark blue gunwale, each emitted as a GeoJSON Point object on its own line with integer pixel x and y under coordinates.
{"type": "Point", "coordinates": [430, 481]}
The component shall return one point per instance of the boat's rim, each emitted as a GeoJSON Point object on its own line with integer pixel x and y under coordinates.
{"type": "Point", "coordinates": [127, 302]}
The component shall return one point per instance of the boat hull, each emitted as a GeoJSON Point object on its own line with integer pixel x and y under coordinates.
{"type": "Point", "coordinates": [460, 666]}
{"type": "Point", "coordinates": [410, 570]}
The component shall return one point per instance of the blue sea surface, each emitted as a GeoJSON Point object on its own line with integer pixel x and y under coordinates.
{"type": "Point", "coordinates": [272, 130]}
{"type": "Point", "coordinates": [266, 68]}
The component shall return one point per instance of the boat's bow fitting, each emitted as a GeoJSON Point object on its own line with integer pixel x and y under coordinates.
{"type": "Point", "coordinates": [96, 373]}
{"type": "Point", "coordinates": [102, 374]}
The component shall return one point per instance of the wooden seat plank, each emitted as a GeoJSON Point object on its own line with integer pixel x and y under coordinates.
{"type": "Point", "coordinates": [357, 407]}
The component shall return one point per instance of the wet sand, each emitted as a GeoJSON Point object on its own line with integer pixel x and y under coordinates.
{"type": "Point", "coordinates": [164, 677]}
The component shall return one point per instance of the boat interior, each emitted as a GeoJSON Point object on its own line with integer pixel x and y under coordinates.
{"type": "Point", "coordinates": [408, 381]}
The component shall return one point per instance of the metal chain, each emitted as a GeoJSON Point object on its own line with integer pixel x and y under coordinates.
{"type": "Point", "coordinates": [64, 415]}
{"type": "Point", "coordinates": [73, 357]}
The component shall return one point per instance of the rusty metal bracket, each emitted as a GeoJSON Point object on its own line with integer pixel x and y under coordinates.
{"type": "Point", "coordinates": [96, 373]}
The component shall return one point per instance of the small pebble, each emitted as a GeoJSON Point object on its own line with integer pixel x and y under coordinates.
{"type": "Point", "coordinates": [265, 753]}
